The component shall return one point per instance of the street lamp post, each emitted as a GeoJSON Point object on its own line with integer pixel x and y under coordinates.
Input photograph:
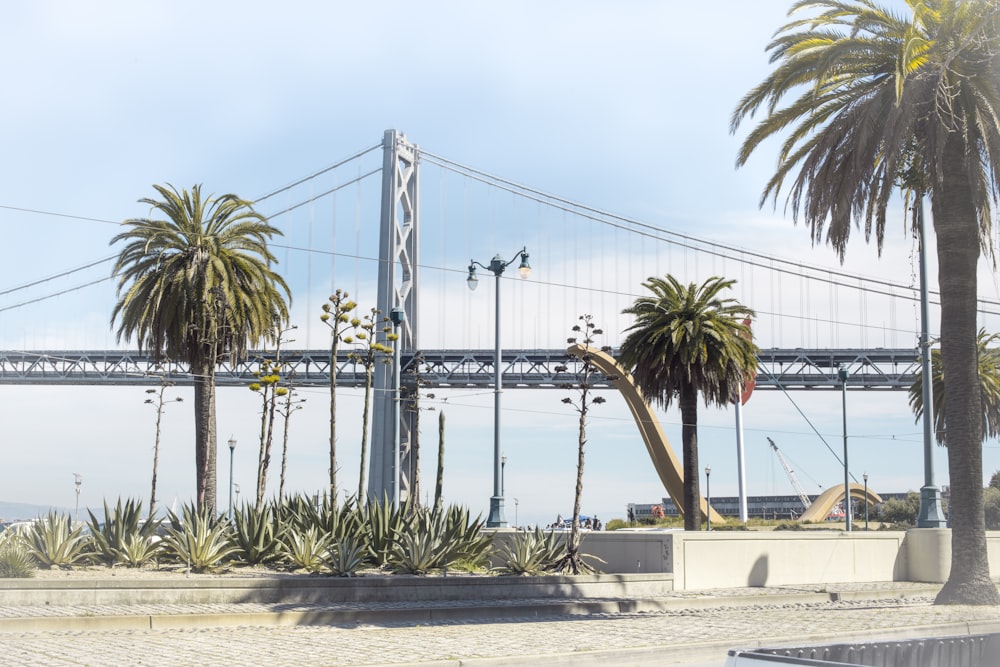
{"type": "Point", "coordinates": [931, 514]}
{"type": "Point", "coordinates": [503, 478]}
{"type": "Point", "coordinates": [78, 480]}
{"type": "Point", "coordinates": [496, 266]}
{"type": "Point", "coordinates": [236, 488]}
{"type": "Point", "coordinates": [864, 476]}
{"type": "Point", "coordinates": [516, 503]}
{"type": "Point", "coordinates": [397, 316]}
{"type": "Point", "coordinates": [842, 374]}
{"type": "Point", "coordinates": [232, 452]}
{"type": "Point", "coordinates": [708, 495]}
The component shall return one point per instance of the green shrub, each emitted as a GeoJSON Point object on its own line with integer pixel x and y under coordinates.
{"type": "Point", "coordinates": [901, 511]}
{"type": "Point", "coordinates": [616, 524]}
{"type": "Point", "coordinates": [991, 505]}
{"type": "Point", "coordinates": [52, 542]}
{"type": "Point", "coordinates": [733, 524]}
{"type": "Point", "coordinates": [790, 525]}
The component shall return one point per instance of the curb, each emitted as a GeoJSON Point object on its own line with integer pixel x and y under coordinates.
{"type": "Point", "coordinates": [75, 619]}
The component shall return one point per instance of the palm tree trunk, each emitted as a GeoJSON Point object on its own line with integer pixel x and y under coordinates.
{"type": "Point", "coordinates": [204, 415]}
{"type": "Point", "coordinates": [689, 435]}
{"type": "Point", "coordinates": [957, 230]}
{"type": "Point", "coordinates": [439, 481]}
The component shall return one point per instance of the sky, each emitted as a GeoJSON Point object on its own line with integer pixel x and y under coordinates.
{"type": "Point", "coordinates": [621, 107]}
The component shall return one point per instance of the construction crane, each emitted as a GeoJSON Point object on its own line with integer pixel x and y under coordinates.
{"type": "Point", "coordinates": [791, 477]}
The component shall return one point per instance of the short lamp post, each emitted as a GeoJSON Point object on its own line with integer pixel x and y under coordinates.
{"type": "Point", "coordinates": [496, 266]}
{"type": "Point", "coordinates": [232, 453]}
{"type": "Point", "coordinates": [78, 480]}
{"type": "Point", "coordinates": [864, 476]}
{"type": "Point", "coordinates": [708, 495]}
{"type": "Point", "coordinates": [516, 503]}
{"type": "Point", "coordinates": [236, 489]}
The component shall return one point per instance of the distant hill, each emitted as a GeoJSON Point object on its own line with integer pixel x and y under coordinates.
{"type": "Point", "coordinates": [19, 511]}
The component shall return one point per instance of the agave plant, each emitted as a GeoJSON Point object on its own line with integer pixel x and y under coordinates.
{"type": "Point", "coordinates": [345, 521]}
{"type": "Point", "coordinates": [53, 543]}
{"type": "Point", "coordinates": [345, 556]}
{"type": "Point", "coordinates": [530, 553]}
{"type": "Point", "coordinates": [580, 563]}
{"type": "Point", "coordinates": [298, 513]}
{"type": "Point", "coordinates": [15, 561]}
{"type": "Point", "coordinates": [432, 539]}
{"type": "Point", "coordinates": [384, 523]}
{"type": "Point", "coordinates": [199, 539]}
{"type": "Point", "coordinates": [338, 521]}
{"type": "Point", "coordinates": [420, 546]}
{"type": "Point", "coordinates": [125, 537]}
{"type": "Point", "coordinates": [257, 534]}
{"type": "Point", "coordinates": [307, 549]}
{"type": "Point", "coordinates": [475, 544]}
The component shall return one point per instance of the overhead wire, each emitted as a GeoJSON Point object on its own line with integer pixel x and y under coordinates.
{"type": "Point", "coordinates": [567, 206]}
{"type": "Point", "coordinates": [590, 212]}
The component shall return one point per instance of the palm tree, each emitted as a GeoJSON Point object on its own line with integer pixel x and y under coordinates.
{"type": "Point", "coordinates": [989, 388]}
{"type": "Point", "coordinates": [876, 93]}
{"type": "Point", "coordinates": [688, 340]}
{"type": "Point", "coordinates": [194, 285]}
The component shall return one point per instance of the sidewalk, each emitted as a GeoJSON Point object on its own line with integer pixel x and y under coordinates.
{"type": "Point", "coordinates": [683, 628]}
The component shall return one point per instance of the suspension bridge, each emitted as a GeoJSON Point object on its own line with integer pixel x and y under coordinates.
{"type": "Point", "coordinates": [433, 215]}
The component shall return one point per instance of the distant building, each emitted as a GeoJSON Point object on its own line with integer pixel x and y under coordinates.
{"type": "Point", "coordinates": [758, 507]}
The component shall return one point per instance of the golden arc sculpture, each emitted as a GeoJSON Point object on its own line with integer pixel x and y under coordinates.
{"type": "Point", "coordinates": [662, 454]}
{"type": "Point", "coordinates": [820, 508]}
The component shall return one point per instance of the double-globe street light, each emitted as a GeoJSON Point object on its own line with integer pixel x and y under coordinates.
{"type": "Point", "coordinates": [497, 266]}
{"type": "Point", "coordinates": [232, 452]}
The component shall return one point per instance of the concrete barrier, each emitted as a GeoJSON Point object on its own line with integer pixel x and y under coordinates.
{"type": "Point", "coordinates": [302, 589]}
{"type": "Point", "coordinates": [724, 559]}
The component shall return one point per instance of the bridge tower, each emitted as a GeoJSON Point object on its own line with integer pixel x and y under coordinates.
{"type": "Point", "coordinates": [397, 298]}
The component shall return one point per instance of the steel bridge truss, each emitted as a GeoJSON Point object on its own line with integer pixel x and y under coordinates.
{"type": "Point", "coordinates": [798, 369]}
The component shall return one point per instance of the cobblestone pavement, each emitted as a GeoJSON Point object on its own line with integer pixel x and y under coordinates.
{"type": "Point", "coordinates": [605, 639]}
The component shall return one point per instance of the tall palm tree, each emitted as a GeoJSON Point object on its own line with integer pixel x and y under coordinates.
{"type": "Point", "coordinates": [195, 284]}
{"type": "Point", "coordinates": [989, 388]}
{"type": "Point", "coordinates": [861, 94]}
{"type": "Point", "coordinates": [688, 340]}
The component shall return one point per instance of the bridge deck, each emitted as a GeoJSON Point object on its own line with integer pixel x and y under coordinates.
{"type": "Point", "coordinates": [888, 369]}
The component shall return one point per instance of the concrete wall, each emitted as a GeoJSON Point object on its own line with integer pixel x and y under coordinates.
{"type": "Point", "coordinates": [750, 558]}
